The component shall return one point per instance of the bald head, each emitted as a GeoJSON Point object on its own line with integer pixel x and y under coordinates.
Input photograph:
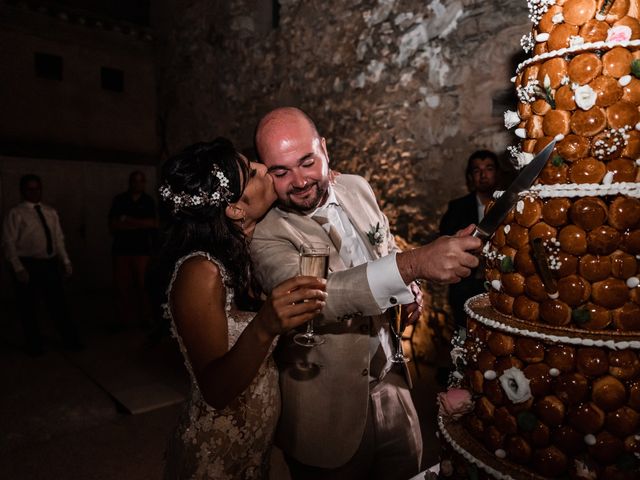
{"type": "Point", "coordinates": [288, 143]}
{"type": "Point", "coordinates": [278, 122]}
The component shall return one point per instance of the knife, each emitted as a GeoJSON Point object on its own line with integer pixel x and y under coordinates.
{"type": "Point", "coordinates": [496, 214]}
{"type": "Point", "coordinates": [539, 254]}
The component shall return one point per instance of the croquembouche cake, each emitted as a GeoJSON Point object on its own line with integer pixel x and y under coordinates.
{"type": "Point", "coordinates": [547, 380]}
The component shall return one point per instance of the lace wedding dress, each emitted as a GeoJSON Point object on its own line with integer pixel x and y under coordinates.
{"type": "Point", "coordinates": [235, 442]}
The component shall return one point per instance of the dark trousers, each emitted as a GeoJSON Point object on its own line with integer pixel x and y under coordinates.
{"type": "Point", "coordinates": [46, 282]}
{"type": "Point", "coordinates": [132, 302]}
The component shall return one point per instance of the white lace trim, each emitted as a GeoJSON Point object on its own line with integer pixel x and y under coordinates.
{"type": "Point", "coordinates": [587, 342]}
{"type": "Point", "coordinates": [223, 273]}
{"type": "Point", "coordinates": [575, 49]}
{"type": "Point", "coordinates": [167, 306]}
{"type": "Point", "coordinates": [630, 189]}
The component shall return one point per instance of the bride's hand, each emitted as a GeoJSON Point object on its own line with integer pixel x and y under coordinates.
{"type": "Point", "coordinates": [292, 303]}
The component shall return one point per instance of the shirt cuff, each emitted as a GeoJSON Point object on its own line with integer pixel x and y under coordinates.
{"type": "Point", "coordinates": [386, 284]}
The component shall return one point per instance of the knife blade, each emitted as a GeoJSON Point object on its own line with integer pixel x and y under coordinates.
{"type": "Point", "coordinates": [496, 214]}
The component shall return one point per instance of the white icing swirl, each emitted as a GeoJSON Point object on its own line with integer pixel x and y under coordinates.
{"type": "Point", "coordinates": [569, 190]}
{"type": "Point", "coordinates": [576, 48]}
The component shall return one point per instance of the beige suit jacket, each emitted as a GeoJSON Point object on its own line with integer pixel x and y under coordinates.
{"type": "Point", "coordinates": [324, 409]}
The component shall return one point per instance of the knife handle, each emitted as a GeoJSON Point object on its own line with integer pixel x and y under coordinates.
{"type": "Point", "coordinates": [479, 234]}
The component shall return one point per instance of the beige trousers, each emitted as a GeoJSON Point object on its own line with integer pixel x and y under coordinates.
{"type": "Point", "coordinates": [391, 446]}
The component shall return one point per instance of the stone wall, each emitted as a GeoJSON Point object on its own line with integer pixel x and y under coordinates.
{"type": "Point", "coordinates": [403, 90]}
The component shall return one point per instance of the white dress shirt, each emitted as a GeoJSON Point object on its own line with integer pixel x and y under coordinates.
{"type": "Point", "coordinates": [480, 208]}
{"type": "Point", "coordinates": [386, 283]}
{"type": "Point", "coordinates": [23, 235]}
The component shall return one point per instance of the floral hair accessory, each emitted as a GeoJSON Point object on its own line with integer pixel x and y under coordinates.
{"type": "Point", "coordinates": [221, 195]}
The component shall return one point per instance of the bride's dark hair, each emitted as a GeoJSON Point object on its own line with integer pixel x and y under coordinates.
{"type": "Point", "coordinates": [206, 227]}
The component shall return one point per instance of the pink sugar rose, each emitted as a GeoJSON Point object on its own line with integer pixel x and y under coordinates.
{"type": "Point", "coordinates": [620, 33]}
{"type": "Point", "coordinates": [455, 402]}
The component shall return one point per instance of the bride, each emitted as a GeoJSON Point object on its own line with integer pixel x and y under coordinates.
{"type": "Point", "coordinates": [216, 196]}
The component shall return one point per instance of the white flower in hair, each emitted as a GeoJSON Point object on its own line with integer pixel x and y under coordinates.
{"type": "Point", "coordinates": [183, 199]}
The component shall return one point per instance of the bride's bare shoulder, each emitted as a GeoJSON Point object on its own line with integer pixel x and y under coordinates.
{"type": "Point", "coordinates": [199, 274]}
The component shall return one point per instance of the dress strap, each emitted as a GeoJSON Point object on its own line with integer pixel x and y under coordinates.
{"type": "Point", "coordinates": [223, 272]}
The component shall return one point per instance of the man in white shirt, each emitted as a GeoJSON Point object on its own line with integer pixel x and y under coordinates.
{"type": "Point", "coordinates": [346, 409]}
{"type": "Point", "coordinates": [33, 244]}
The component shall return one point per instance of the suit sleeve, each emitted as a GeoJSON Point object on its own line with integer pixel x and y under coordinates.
{"type": "Point", "coordinates": [385, 282]}
{"type": "Point", "coordinates": [276, 259]}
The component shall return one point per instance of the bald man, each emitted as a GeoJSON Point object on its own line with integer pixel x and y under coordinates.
{"type": "Point", "coordinates": [346, 408]}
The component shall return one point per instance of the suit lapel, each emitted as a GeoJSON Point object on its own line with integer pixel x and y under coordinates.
{"type": "Point", "coordinates": [311, 231]}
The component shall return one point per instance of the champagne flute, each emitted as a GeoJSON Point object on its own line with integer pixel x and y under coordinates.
{"type": "Point", "coordinates": [314, 262]}
{"type": "Point", "coordinates": [398, 322]}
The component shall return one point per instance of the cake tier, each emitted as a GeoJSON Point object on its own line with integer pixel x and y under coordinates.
{"type": "Point", "coordinates": [581, 82]}
{"type": "Point", "coordinates": [585, 272]}
{"type": "Point", "coordinates": [581, 88]}
{"type": "Point", "coordinates": [464, 457]}
{"type": "Point", "coordinates": [556, 401]}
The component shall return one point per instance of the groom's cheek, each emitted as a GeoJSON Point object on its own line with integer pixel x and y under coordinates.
{"type": "Point", "coordinates": [281, 187]}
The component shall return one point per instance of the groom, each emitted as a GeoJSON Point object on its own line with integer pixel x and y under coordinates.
{"type": "Point", "coordinates": [351, 415]}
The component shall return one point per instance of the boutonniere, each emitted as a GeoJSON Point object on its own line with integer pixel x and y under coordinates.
{"type": "Point", "coordinates": [375, 235]}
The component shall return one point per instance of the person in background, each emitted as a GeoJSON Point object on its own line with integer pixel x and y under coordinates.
{"type": "Point", "coordinates": [33, 244]}
{"type": "Point", "coordinates": [133, 223]}
{"type": "Point", "coordinates": [482, 179]}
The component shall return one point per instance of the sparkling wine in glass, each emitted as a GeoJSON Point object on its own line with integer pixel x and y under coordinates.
{"type": "Point", "coordinates": [314, 262]}
{"type": "Point", "coordinates": [398, 323]}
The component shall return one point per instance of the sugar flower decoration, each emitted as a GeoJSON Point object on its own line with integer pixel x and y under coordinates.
{"type": "Point", "coordinates": [619, 33]}
{"type": "Point", "coordinates": [527, 43]}
{"type": "Point", "coordinates": [576, 41]}
{"type": "Point", "coordinates": [516, 385]}
{"type": "Point", "coordinates": [520, 158]}
{"type": "Point", "coordinates": [455, 402]}
{"type": "Point", "coordinates": [583, 471]}
{"type": "Point", "coordinates": [511, 119]}
{"type": "Point", "coordinates": [585, 97]}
